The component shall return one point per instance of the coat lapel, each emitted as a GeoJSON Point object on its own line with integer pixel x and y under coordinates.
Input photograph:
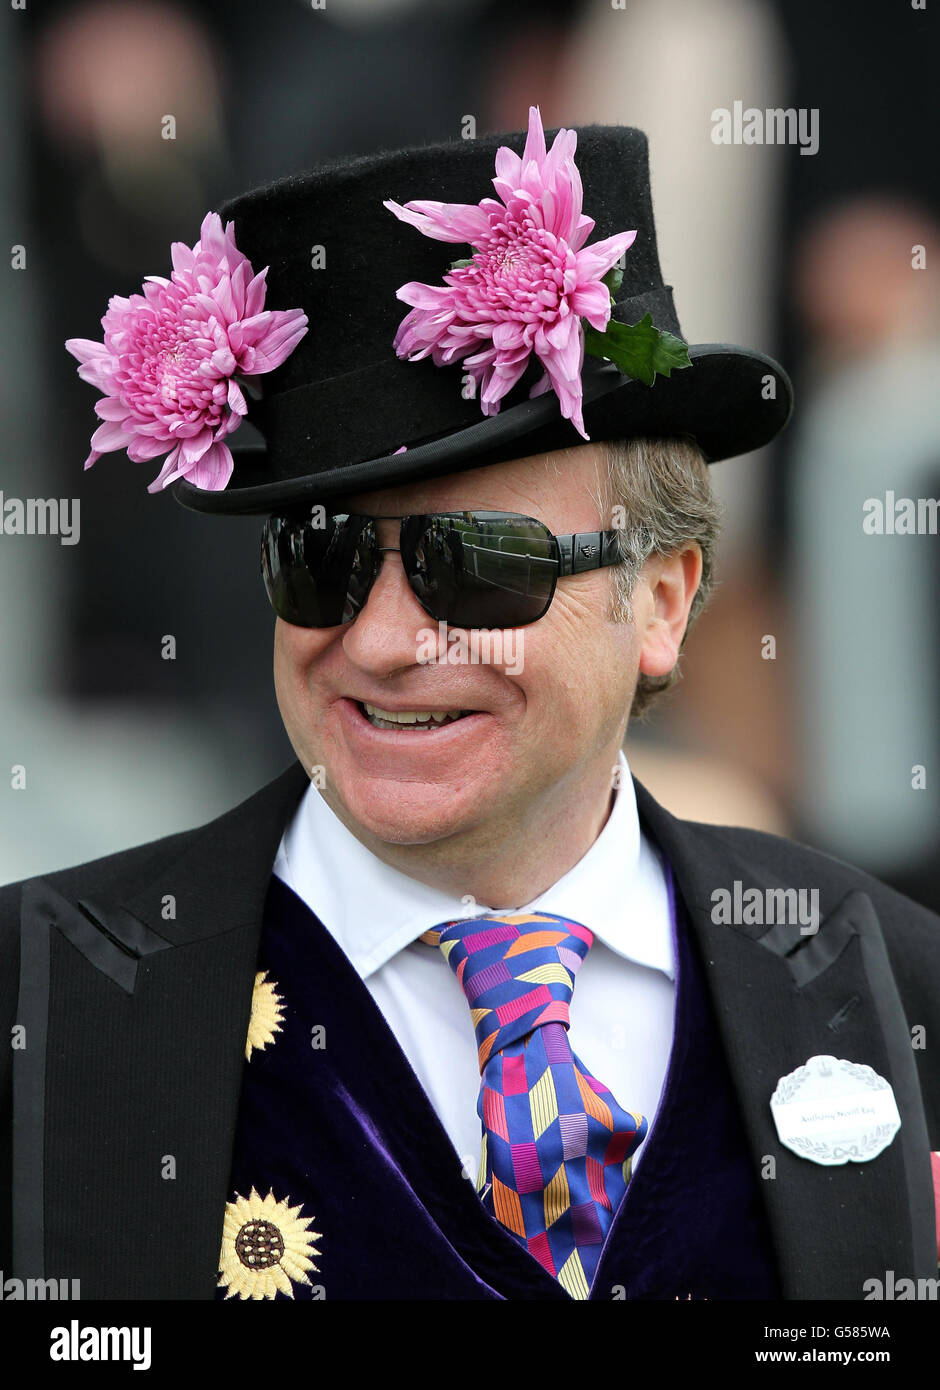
{"type": "Point", "coordinates": [136, 1008]}
{"type": "Point", "coordinates": [780, 998]}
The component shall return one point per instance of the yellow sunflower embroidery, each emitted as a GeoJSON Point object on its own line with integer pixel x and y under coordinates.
{"type": "Point", "coordinates": [266, 1015]}
{"type": "Point", "coordinates": [265, 1245]}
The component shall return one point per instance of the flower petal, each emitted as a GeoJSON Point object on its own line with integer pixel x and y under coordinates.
{"type": "Point", "coordinates": [592, 302]}
{"type": "Point", "coordinates": [285, 329]}
{"type": "Point", "coordinates": [223, 360]}
{"type": "Point", "coordinates": [254, 294]}
{"type": "Point", "coordinates": [535, 139]}
{"type": "Point", "coordinates": [109, 436]}
{"type": "Point", "coordinates": [182, 257]}
{"type": "Point", "coordinates": [583, 229]}
{"type": "Point", "coordinates": [141, 449]}
{"type": "Point", "coordinates": [168, 473]}
{"type": "Point", "coordinates": [459, 222]}
{"type": "Point", "coordinates": [236, 398]}
{"type": "Point", "coordinates": [507, 334]}
{"type": "Point", "coordinates": [193, 448]}
{"type": "Point", "coordinates": [504, 379]}
{"type": "Point", "coordinates": [595, 260]}
{"type": "Point", "coordinates": [111, 408]}
{"type": "Point", "coordinates": [424, 296]}
{"type": "Point", "coordinates": [85, 349]}
{"type": "Point", "coordinates": [508, 167]}
{"type": "Point", "coordinates": [213, 469]}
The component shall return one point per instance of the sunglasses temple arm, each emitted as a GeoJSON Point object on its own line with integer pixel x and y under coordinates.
{"type": "Point", "coordinates": [588, 550]}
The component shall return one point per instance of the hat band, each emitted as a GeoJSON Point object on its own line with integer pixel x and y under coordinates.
{"type": "Point", "coordinates": [372, 411]}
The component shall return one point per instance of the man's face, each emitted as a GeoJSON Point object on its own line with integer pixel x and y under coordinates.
{"type": "Point", "coordinates": [542, 738]}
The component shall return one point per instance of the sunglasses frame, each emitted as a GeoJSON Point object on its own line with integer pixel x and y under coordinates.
{"type": "Point", "coordinates": [576, 552]}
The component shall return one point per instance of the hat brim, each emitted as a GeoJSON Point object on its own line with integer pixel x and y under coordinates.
{"type": "Point", "coordinates": [731, 401]}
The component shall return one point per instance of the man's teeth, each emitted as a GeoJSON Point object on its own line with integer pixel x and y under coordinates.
{"type": "Point", "coordinates": [427, 719]}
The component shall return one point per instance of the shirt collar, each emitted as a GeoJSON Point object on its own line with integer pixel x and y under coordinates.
{"type": "Point", "coordinates": [617, 889]}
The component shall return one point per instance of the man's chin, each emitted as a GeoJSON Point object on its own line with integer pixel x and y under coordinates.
{"type": "Point", "coordinates": [411, 813]}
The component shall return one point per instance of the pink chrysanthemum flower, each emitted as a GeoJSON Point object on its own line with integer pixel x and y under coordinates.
{"type": "Point", "coordinates": [168, 361]}
{"type": "Point", "coordinates": [528, 285]}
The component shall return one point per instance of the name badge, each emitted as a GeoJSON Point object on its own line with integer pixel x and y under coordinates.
{"type": "Point", "coordinates": [832, 1111]}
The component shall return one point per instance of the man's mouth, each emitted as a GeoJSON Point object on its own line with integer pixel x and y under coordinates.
{"type": "Point", "coordinates": [409, 720]}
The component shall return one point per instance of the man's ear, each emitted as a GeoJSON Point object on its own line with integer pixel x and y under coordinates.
{"type": "Point", "coordinates": [671, 582]}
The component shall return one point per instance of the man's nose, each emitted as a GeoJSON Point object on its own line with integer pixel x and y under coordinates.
{"type": "Point", "coordinates": [385, 633]}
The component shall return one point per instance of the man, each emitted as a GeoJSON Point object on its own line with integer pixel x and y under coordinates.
{"type": "Point", "coordinates": [396, 923]}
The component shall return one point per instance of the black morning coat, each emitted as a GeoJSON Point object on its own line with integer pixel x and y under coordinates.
{"type": "Point", "coordinates": [128, 1031]}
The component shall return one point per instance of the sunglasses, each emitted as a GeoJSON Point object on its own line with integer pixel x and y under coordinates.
{"type": "Point", "coordinates": [467, 569]}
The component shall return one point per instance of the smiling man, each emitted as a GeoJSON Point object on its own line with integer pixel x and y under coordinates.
{"type": "Point", "coordinates": [447, 1011]}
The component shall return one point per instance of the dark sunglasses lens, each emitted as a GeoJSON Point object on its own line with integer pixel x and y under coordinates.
{"type": "Point", "coordinates": [318, 575]}
{"type": "Point", "coordinates": [481, 569]}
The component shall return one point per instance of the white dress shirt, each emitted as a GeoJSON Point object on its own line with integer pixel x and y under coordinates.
{"type": "Point", "coordinates": [622, 1009]}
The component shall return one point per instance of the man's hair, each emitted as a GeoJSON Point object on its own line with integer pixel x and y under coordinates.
{"type": "Point", "coordinates": [659, 496]}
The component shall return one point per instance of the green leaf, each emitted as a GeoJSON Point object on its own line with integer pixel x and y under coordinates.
{"type": "Point", "coordinates": [613, 280]}
{"type": "Point", "coordinates": [639, 349]}
{"type": "Point", "coordinates": [459, 265]}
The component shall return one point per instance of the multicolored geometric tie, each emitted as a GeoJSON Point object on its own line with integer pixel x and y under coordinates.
{"type": "Point", "coordinates": [555, 1159]}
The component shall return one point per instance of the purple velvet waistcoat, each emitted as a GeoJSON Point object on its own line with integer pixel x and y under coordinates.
{"type": "Point", "coordinates": [336, 1121]}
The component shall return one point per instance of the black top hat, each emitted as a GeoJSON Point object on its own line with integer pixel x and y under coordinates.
{"type": "Point", "coordinates": [335, 414]}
